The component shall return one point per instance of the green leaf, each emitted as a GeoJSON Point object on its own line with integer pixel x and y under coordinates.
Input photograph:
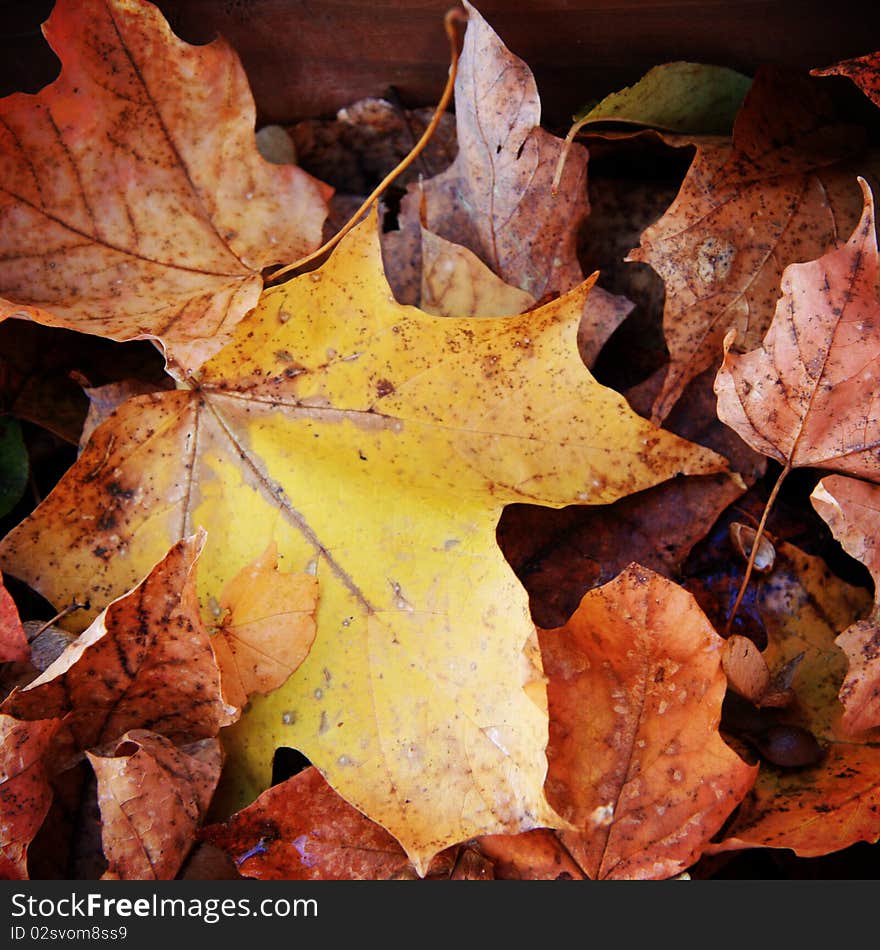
{"type": "Point", "coordinates": [677, 97]}
{"type": "Point", "coordinates": [13, 464]}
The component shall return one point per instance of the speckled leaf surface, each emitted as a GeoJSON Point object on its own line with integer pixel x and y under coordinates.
{"type": "Point", "coordinates": [807, 396]}
{"type": "Point", "coordinates": [118, 212]}
{"type": "Point", "coordinates": [376, 446]}
{"type": "Point", "coordinates": [636, 762]}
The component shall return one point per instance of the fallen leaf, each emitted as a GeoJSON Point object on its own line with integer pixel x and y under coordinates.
{"type": "Point", "coordinates": [152, 796]}
{"type": "Point", "coordinates": [864, 71]}
{"type": "Point", "coordinates": [14, 465]}
{"type": "Point", "coordinates": [14, 646]}
{"type": "Point", "coordinates": [828, 806]}
{"type": "Point", "coordinates": [25, 793]}
{"type": "Point", "coordinates": [851, 509]}
{"type": "Point", "coordinates": [267, 625]}
{"type": "Point", "coordinates": [636, 762]}
{"type": "Point", "coordinates": [780, 193]}
{"type": "Point", "coordinates": [120, 215]}
{"type": "Point", "coordinates": [301, 830]}
{"type": "Point", "coordinates": [536, 855]}
{"type": "Point", "coordinates": [495, 197]}
{"type": "Point", "coordinates": [357, 435]}
{"type": "Point", "coordinates": [114, 677]}
{"type": "Point", "coordinates": [679, 97]}
{"type": "Point", "coordinates": [800, 397]}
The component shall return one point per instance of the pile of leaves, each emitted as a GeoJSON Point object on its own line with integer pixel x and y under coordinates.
{"type": "Point", "coordinates": [529, 532]}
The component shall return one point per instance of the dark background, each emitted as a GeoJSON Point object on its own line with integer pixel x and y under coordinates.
{"type": "Point", "coordinates": [306, 58]}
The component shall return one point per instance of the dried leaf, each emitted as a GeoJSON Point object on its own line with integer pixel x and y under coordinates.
{"type": "Point", "coordinates": [25, 793]}
{"type": "Point", "coordinates": [852, 510]}
{"type": "Point", "coordinates": [536, 855]}
{"type": "Point", "coordinates": [302, 830]}
{"type": "Point", "coordinates": [267, 627]}
{"type": "Point", "coordinates": [834, 803]}
{"type": "Point", "coordinates": [355, 435]}
{"type": "Point", "coordinates": [799, 398]}
{"type": "Point", "coordinates": [14, 645]}
{"type": "Point", "coordinates": [636, 763]}
{"type": "Point", "coordinates": [153, 796]}
{"type": "Point", "coordinates": [780, 193]}
{"type": "Point", "coordinates": [495, 197]}
{"type": "Point", "coordinates": [121, 217]}
{"type": "Point", "coordinates": [114, 677]}
{"type": "Point", "coordinates": [864, 71]}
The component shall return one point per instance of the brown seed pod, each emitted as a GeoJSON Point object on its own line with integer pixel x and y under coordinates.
{"type": "Point", "coordinates": [788, 746]}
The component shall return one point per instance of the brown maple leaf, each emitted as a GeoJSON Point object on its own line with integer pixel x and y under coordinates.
{"type": "Point", "coordinates": [134, 202]}
{"type": "Point", "coordinates": [780, 192]}
{"type": "Point", "coordinates": [636, 763]}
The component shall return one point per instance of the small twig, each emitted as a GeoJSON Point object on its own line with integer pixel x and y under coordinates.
{"type": "Point", "coordinates": [759, 531]}
{"type": "Point", "coordinates": [452, 19]}
{"type": "Point", "coordinates": [67, 610]}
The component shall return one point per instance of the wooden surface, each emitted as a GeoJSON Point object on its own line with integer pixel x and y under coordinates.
{"type": "Point", "coordinates": [309, 57]}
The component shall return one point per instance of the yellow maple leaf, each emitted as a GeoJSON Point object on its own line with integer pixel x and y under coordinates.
{"type": "Point", "coordinates": [376, 446]}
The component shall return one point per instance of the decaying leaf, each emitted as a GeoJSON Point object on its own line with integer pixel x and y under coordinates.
{"type": "Point", "coordinates": [495, 197]}
{"type": "Point", "coordinates": [378, 445]}
{"type": "Point", "coordinates": [835, 802]}
{"type": "Point", "coordinates": [805, 396]}
{"type": "Point", "coordinates": [864, 71]}
{"type": "Point", "coordinates": [13, 641]}
{"type": "Point", "coordinates": [25, 793]}
{"type": "Point", "coordinates": [536, 855]}
{"type": "Point", "coordinates": [267, 625]}
{"type": "Point", "coordinates": [780, 193]}
{"type": "Point", "coordinates": [114, 677]}
{"type": "Point", "coordinates": [152, 796]}
{"type": "Point", "coordinates": [852, 510]}
{"type": "Point", "coordinates": [636, 762]}
{"type": "Point", "coordinates": [120, 215]}
{"type": "Point", "coordinates": [302, 830]}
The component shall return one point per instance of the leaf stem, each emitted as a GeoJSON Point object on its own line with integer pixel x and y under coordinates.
{"type": "Point", "coordinates": [451, 20]}
{"type": "Point", "coordinates": [759, 531]}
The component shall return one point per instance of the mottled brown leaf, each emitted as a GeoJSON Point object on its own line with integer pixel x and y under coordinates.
{"type": "Point", "coordinates": [25, 793]}
{"type": "Point", "coordinates": [805, 396]}
{"type": "Point", "coordinates": [145, 662]}
{"type": "Point", "coordinates": [153, 796]}
{"type": "Point", "coordinates": [852, 510]}
{"type": "Point", "coordinates": [636, 762]}
{"type": "Point", "coordinates": [302, 830]}
{"type": "Point", "coordinates": [13, 641]}
{"type": "Point", "coordinates": [120, 211]}
{"type": "Point", "coordinates": [864, 71]}
{"type": "Point", "coordinates": [536, 855]}
{"type": "Point", "coordinates": [779, 193]}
